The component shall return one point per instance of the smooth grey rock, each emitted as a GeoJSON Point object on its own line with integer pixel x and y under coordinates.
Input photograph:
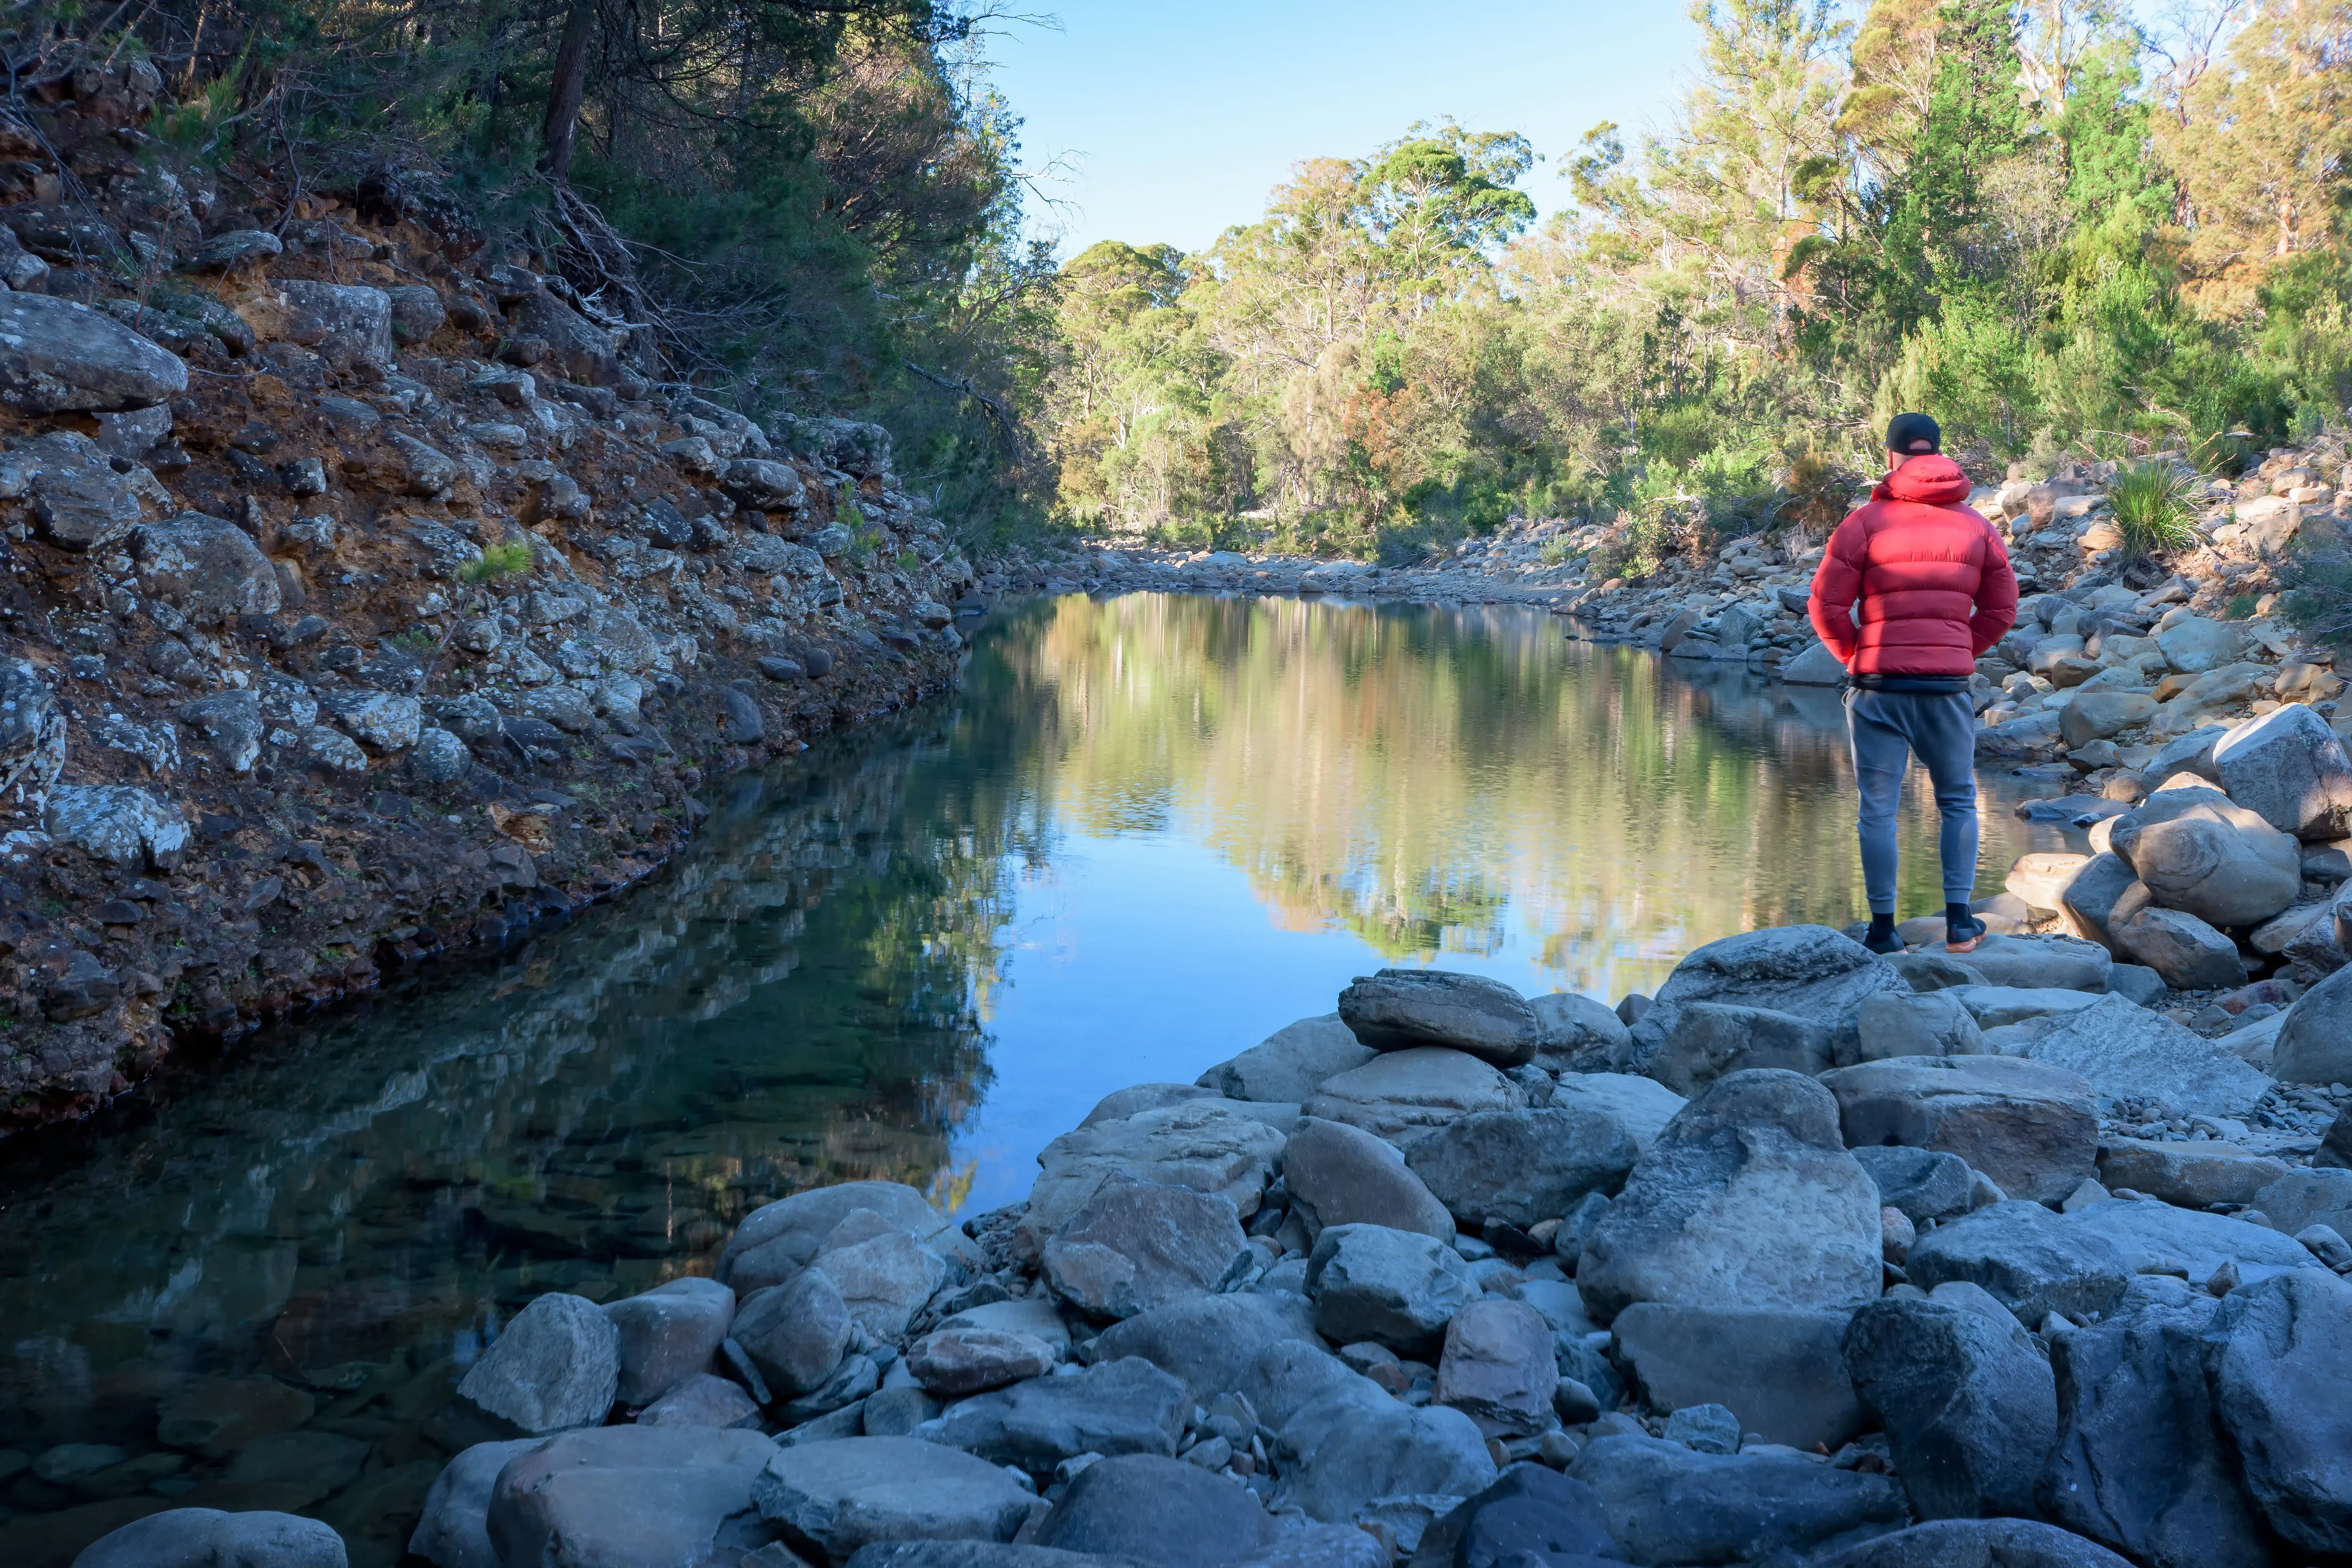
{"type": "Point", "coordinates": [1808, 973]}
{"type": "Point", "coordinates": [1924, 1183]}
{"type": "Point", "coordinates": [1528, 1512]}
{"type": "Point", "coordinates": [2320, 1194]}
{"type": "Point", "coordinates": [2193, 646]}
{"type": "Point", "coordinates": [1403, 1095]}
{"type": "Point", "coordinates": [2031, 1126]}
{"type": "Point", "coordinates": [1400, 1009]}
{"type": "Point", "coordinates": [1496, 1367]}
{"type": "Point", "coordinates": [2127, 1052]}
{"type": "Point", "coordinates": [1036, 1316]}
{"type": "Point", "coordinates": [1122, 1407]}
{"type": "Point", "coordinates": [1136, 1098]}
{"type": "Point", "coordinates": [1779, 1370]}
{"type": "Point", "coordinates": [2289, 768]}
{"type": "Point", "coordinates": [2090, 900]}
{"type": "Point", "coordinates": [896, 1410]}
{"type": "Point", "coordinates": [1968, 1404]}
{"type": "Point", "coordinates": [59, 356]}
{"type": "Point", "coordinates": [1642, 1106]}
{"type": "Point", "coordinates": [2027, 1259]}
{"type": "Point", "coordinates": [1996, 1006]}
{"type": "Point", "coordinates": [204, 568]}
{"type": "Point", "coordinates": [2184, 952]}
{"type": "Point", "coordinates": [1137, 1245]}
{"type": "Point", "coordinates": [1334, 1455]}
{"type": "Point", "coordinates": [1708, 1428]}
{"type": "Point", "coordinates": [701, 1399]}
{"type": "Point", "coordinates": [1339, 1174]}
{"type": "Point", "coordinates": [208, 1538]}
{"type": "Point", "coordinates": [2275, 1358]}
{"type": "Point", "coordinates": [2194, 1175]}
{"type": "Point", "coordinates": [1974, 1544]}
{"type": "Point", "coordinates": [1202, 1144]}
{"type": "Point", "coordinates": [884, 1276]}
{"type": "Point", "coordinates": [1578, 1034]}
{"type": "Point", "coordinates": [2314, 1044]}
{"type": "Point", "coordinates": [2156, 1238]}
{"type": "Point", "coordinates": [2141, 1464]}
{"type": "Point", "coordinates": [1936, 1024]}
{"type": "Point", "coordinates": [454, 1530]}
{"type": "Point", "coordinates": [1393, 1287]}
{"type": "Point", "coordinates": [1158, 1510]}
{"type": "Point", "coordinates": [2043, 962]}
{"type": "Point", "coordinates": [2137, 983]}
{"type": "Point", "coordinates": [1927, 971]}
{"type": "Point", "coordinates": [625, 1495]}
{"type": "Point", "coordinates": [1288, 1066]}
{"type": "Point", "coordinates": [831, 1499]}
{"type": "Point", "coordinates": [2194, 849]}
{"type": "Point", "coordinates": [1523, 1166]}
{"type": "Point", "coordinates": [954, 1361]}
{"type": "Point", "coordinates": [669, 1333]}
{"type": "Point", "coordinates": [795, 1333]}
{"type": "Point", "coordinates": [1213, 1343]}
{"type": "Point", "coordinates": [556, 1366]}
{"type": "Point", "coordinates": [775, 1239]}
{"type": "Point", "coordinates": [1748, 1198]}
{"type": "Point", "coordinates": [1817, 666]}
{"type": "Point", "coordinates": [357, 319]}
{"type": "Point", "coordinates": [1706, 1040]}
{"type": "Point", "coordinates": [1667, 1505]}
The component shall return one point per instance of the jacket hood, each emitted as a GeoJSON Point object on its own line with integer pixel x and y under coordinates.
{"type": "Point", "coordinates": [1932, 479]}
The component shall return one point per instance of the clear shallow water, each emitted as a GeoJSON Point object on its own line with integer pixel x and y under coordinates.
{"type": "Point", "coordinates": [1150, 831]}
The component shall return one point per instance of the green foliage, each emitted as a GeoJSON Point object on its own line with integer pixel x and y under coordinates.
{"type": "Point", "coordinates": [419, 640]}
{"type": "Point", "coordinates": [2154, 508]}
{"type": "Point", "coordinates": [497, 564]}
{"type": "Point", "coordinates": [2320, 606]}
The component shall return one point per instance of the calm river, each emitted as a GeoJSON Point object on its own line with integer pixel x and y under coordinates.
{"type": "Point", "coordinates": [1149, 831]}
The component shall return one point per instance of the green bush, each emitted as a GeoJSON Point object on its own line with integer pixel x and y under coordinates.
{"type": "Point", "coordinates": [2154, 508]}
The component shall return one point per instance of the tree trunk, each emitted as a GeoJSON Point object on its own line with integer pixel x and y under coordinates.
{"type": "Point", "coordinates": [564, 92]}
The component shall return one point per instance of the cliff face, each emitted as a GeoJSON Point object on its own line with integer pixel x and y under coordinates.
{"type": "Point", "coordinates": [368, 594]}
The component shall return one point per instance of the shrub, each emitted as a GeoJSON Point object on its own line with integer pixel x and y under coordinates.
{"type": "Point", "coordinates": [2154, 508]}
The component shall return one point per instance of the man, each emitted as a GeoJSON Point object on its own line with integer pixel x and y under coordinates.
{"type": "Point", "coordinates": [1935, 591]}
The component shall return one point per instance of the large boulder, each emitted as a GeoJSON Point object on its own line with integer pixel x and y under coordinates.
{"type": "Point", "coordinates": [1974, 1544]}
{"type": "Point", "coordinates": [1288, 1066]}
{"type": "Point", "coordinates": [209, 569]}
{"type": "Point", "coordinates": [2127, 1052]}
{"type": "Point", "coordinates": [1213, 1342]}
{"type": "Point", "coordinates": [79, 501]}
{"type": "Point", "coordinates": [2282, 1383]}
{"type": "Point", "coordinates": [884, 1276]}
{"type": "Point", "coordinates": [2097, 715]}
{"type": "Point", "coordinates": [1121, 1407]}
{"type": "Point", "coordinates": [830, 1498]}
{"type": "Point", "coordinates": [796, 1333]}
{"type": "Point", "coordinates": [1530, 1513]}
{"type": "Point", "coordinates": [777, 1239]}
{"type": "Point", "coordinates": [1339, 1174]}
{"type": "Point", "coordinates": [1748, 1198]}
{"type": "Point", "coordinates": [2314, 1044]}
{"type": "Point", "coordinates": [669, 1333]}
{"type": "Point", "coordinates": [1780, 1370]}
{"type": "Point", "coordinates": [355, 319]}
{"type": "Point", "coordinates": [1966, 1400]}
{"type": "Point", "coordinates": [1394, 1286]}
{"type": "Point", "coordinates": [1642, 1106]}
{"type": "Point", "coordinates": [2043, 962]}
{"type": "Point", "coordinates": [1922, 1184]}
{"type": "Point", "coordinates": [2026, 1258]}
{"type": "Point", "coordinates": [59, 356]}
{"type": "Point", "coordinates": [1337, 1453]}
{"type": "Point", "coordinates": [556, 1366]}
{"type": "Point", "coordinates": [2194, 849]}
{"type": "Point", "coordinates": [1523, 1166]}
{"type": "Point", "coordinates": [2194, 1175]}
{"type": "Point", "coordinates": [1160, 1511]}
{"type": "Point", "coordinates": [2033, 1128]}
{"type": "Point", "coordinates": [1203, 1145]}
{"type": "Point", "coordinates": [1578, 1034]}
{"type": "Point", "coordinates": [957, 1360]}
{"type": "Point", "coordinates": [2187, 953]}
{"type": "Point", "coordinates": [1404, 1095]}
{"type": "Point", "coordinates": [1398, 1009]}
{"type": "Point", "coordinates": [454, 1531]}
{"type": "Point", "coordinates": [207, 1537]}
{"type": "Point", "coordinates": [2090, 900]}
{"type": "Point", "coordinates": [2141, 1463]}
{"type": "Point", "coordinates": [1497, 1367]}
{"type": "Point", "coordinates": [620, 1495]}
{"type": "Point", "coordinates": [1668, 1506]}
{"type": "Point", "coordinates": [2289, 768]}
{"type": "Point", "coordinates": [121, 823]}
{"type": "Point", "coordinates": [1936, 1024]}
{"type": "Point", "coordinates": [2158, 1238]}
{"type": "Point", "coordinates": [1807, 973]}
{"type": "Point", "coordinates": [2193, 644]}
{"type": "Point", "coordinates": [1138, 1244]}
{"type": "Point", "coordinates": [2320, 1194]}
{"type": "Point", "coordinates": [1708, 1039]}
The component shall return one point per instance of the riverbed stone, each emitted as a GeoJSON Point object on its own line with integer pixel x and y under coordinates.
{"type": "Point", "coordinates": [1974, 1544]}
{"type": "Point", "coordinates": [1577, 1033]}
{"type": "Point", "coordinates": [1997, 1007]}
{"type": "Point", "coordinates": [2127, 1052]}
{"type": "Point", "coordinates": [2032, 1126]}
{"type": "Point", "coordinates": [2314, 1043]}
{"type": "Point", "coordinates": [1214, 1343]}
{"type": "Point", "coordinates": [1805, 971]}
{"type": "Point", "coordinates": [1158, 1510]}
{"type": "Point", "coordinates": [1708, 1039]}
{"type": "Point", "coordinates": [1923, 1184]}
{"type": "Point", "coordinates": [2188, 955]}
{"type": "Point", "coordinates": [1498, 1368]}
{"type": "Point", "coordinates": [2195, 849]}
{"type": "Point", "coordinates": [1288, 1066]}
{"type": "Point", "coordinates": [1337, 1453]}
{"type": "Point", "coordinates": [2193, 1175]}
{"type": "Point", "coordinates": [2091, 900]}
{"type": "Point", "coordinates": [557, 1365]}
{"type": "Point", "coordinates": [1137, 1099]}
{"type": "Point", "coordinates": [776, 1239]}
{"type": "Point", "coordinates": [1748, 1198]}
{"type": "Point", "coordinates": [1642, 1106]}
{"type": "Point", "coordinates": [1398, 1009]}
{"type": "Point", "coordinates": [1530, 1513]}
{"type": "Point", "coordinates": [2320, 1195]}
{"type": "Point", "coordinates": [618, 1495]}
{"type": "Point", "coordinates": [1124, 1406]}
{"type": "Point", "coordinates": [830, 1498]}
{"type": "Point", "coordinates": [1339, 1174]}
{"type": "Point", "coordinates": [59, 356]}
{"type": "Point", "coordinates": [1395, 1288]}
{"type": "Point", "coordinates": [454, 1530]}
{"type": "Point", "coordinates": [208, 1538]}
{"type": "Point", "coordinates": [1967, 1402]}
{"type": "Point", "coordinates": [1137, 1245]}
{"type": "Point", "coordinates": [2155, 1238]}
{"type": "Point", "coordinates": [2275, 1358]}
{"type": "Point", "coordinates": [1779, 1370]}
{"type": "Point", "coordinates": [1404, 1095]}
{"type": "Point", "coordinates": [2025, 1257]}
{"type": "Point", "coordinates": [2041, 877]}
{"type": "Point", "coordinates": [1936, 1024]}
{"type": "Point", "coordinates": [702, 1399]}
{"type": "Point", "coordinates": [1523, 1166]}
{"type": "Point", "coordinates": [2141, 1463]}
{"type": "Point", "coordinates": [968, 1554]}
{"type": "Point", "coordinates": [669, 1333]}
{"type": "Point", "coordinates": [955, 1362]}
{"type": "Point", "coordinates": [795, 1333]}
{"type": "Point", "coordinates": [884, 1278]}
{"type": "Point", "coordinates": [1205, 1145]}
{"type": "Point", "coordinates": [2043, 962]}
{"type": "Point", "coordinates": [2289, 768]}
{"type": "Point", "coordinates": [1667, 1505]}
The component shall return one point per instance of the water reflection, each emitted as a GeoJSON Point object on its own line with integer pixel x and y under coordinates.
{"type": "Point", "coordinates": [1147, 832]}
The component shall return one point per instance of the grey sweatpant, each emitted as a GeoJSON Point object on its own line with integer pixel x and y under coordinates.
{"type": "Point", "coordinates": [1888, 728]}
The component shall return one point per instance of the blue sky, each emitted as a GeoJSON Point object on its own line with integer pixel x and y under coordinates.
{"type": "Point", "coordinates": [1179, 119]}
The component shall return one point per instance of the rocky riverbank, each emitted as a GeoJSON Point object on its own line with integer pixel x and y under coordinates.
{"type": "Point", "coordinates": [1815, 1257]}
{"type": "Point", "coordinates": [368, 597]}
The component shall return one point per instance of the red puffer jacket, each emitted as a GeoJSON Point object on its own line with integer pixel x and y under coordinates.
{"type": "Point", "coordinates": [1935, 584]}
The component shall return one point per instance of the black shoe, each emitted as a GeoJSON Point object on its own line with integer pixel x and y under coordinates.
{"type": "Point", "coordinates": [1885, 943]}
{"type": "Point", "coordinates": [1962, 936]}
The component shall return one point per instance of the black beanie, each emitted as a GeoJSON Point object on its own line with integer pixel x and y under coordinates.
{"type": "Point", "coordinates": [1906, 431]}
